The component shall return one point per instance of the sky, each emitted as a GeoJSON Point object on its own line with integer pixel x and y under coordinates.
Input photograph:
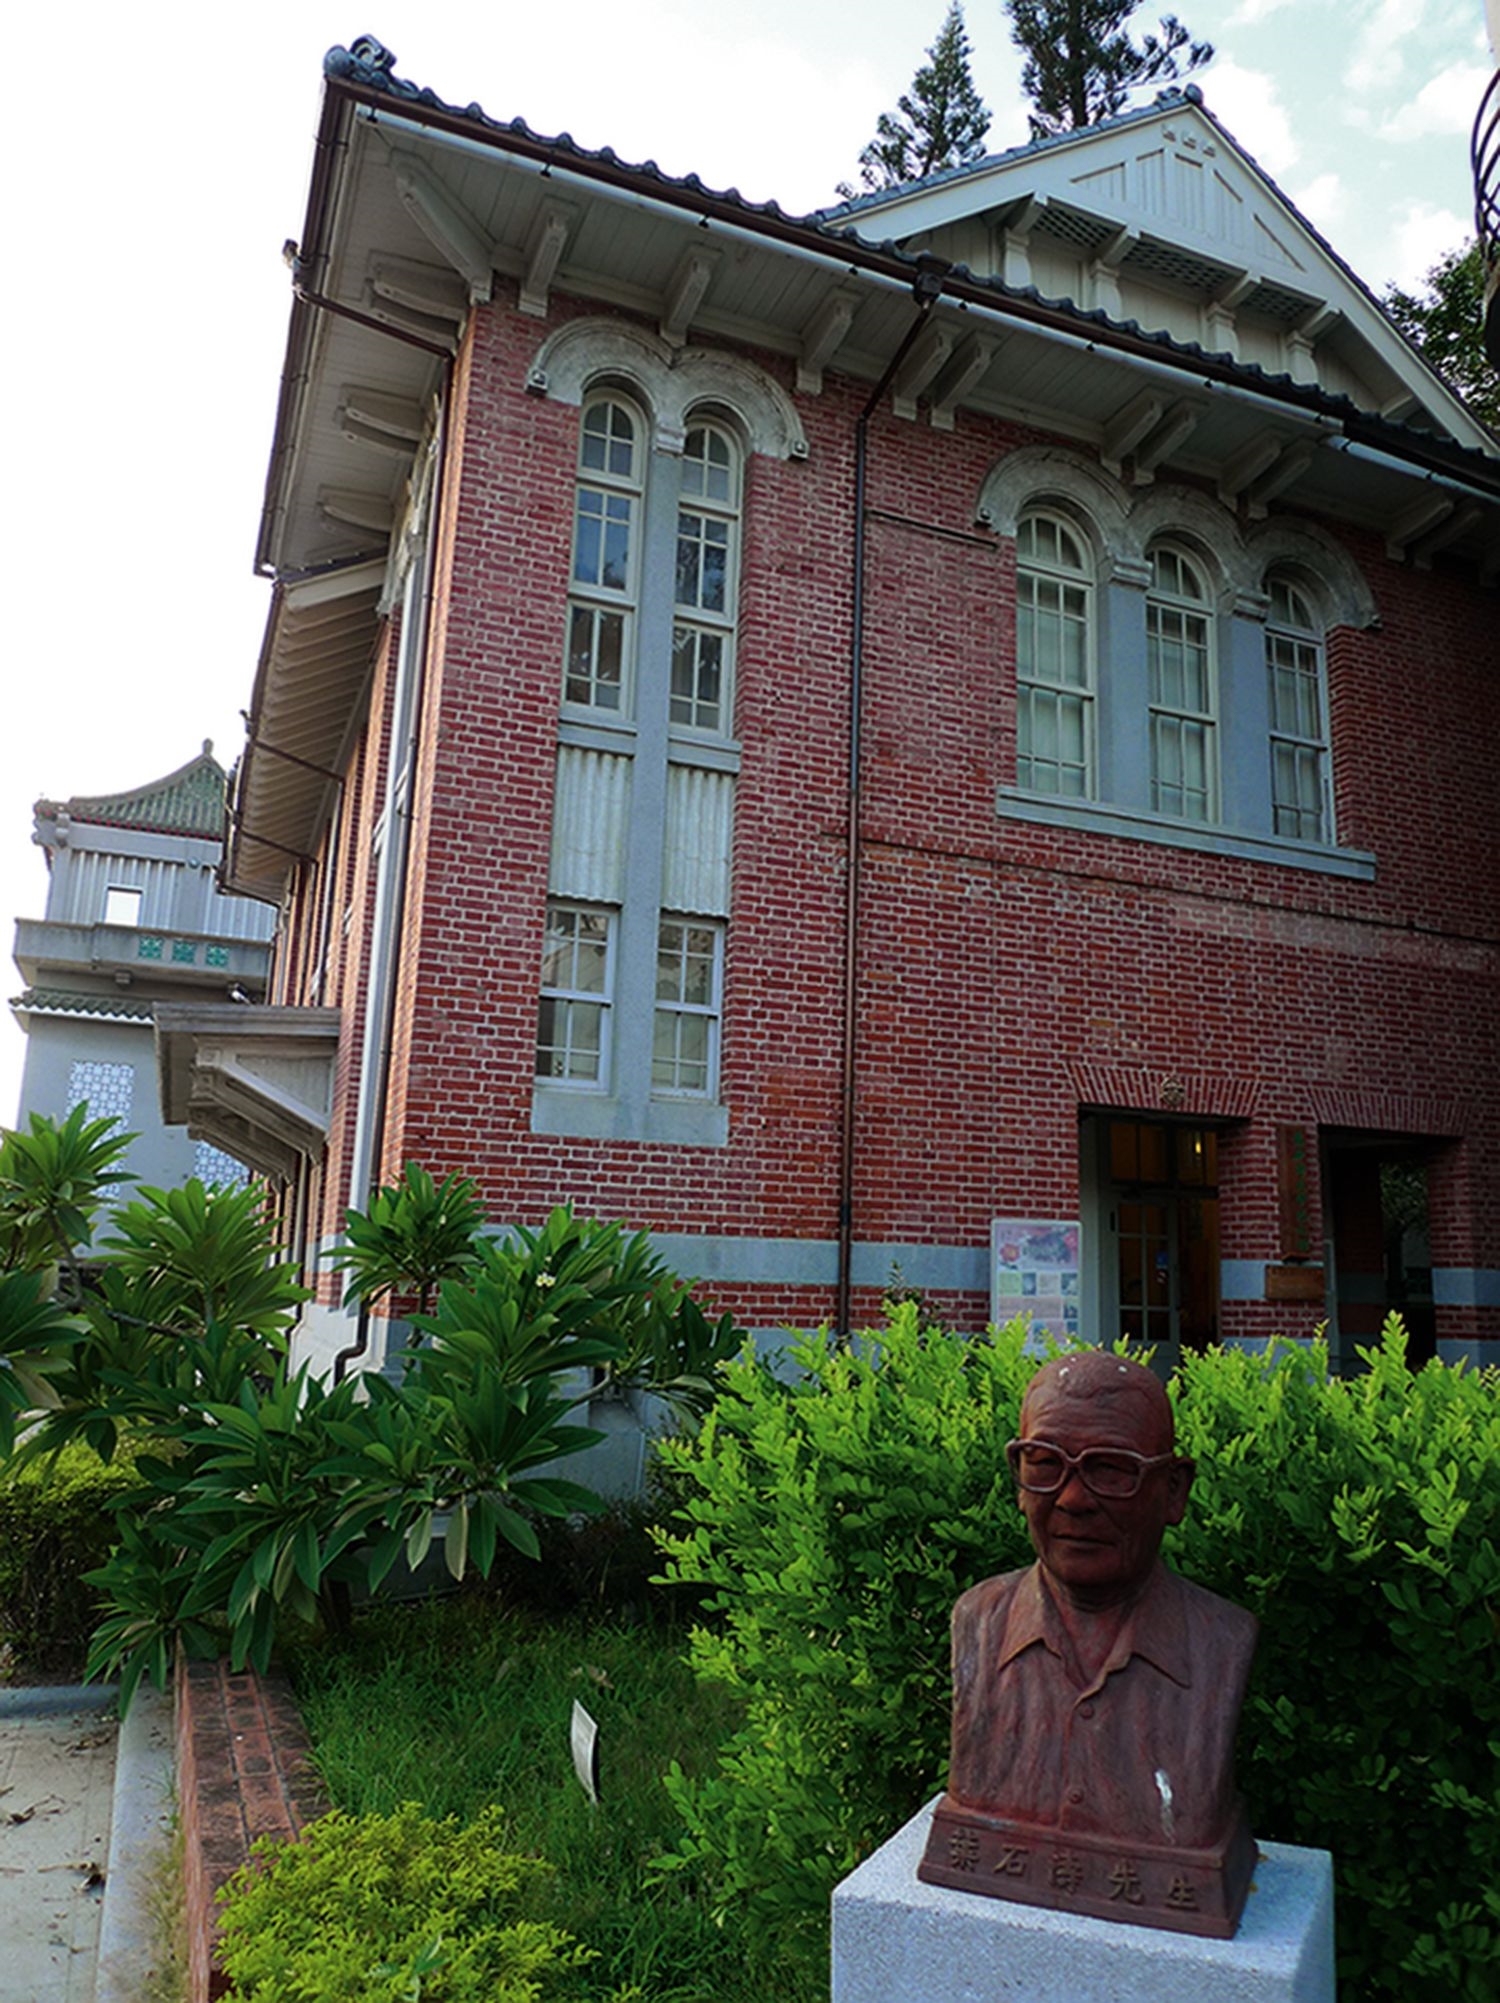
{"type": "Point", "coordinates": [159, 162]}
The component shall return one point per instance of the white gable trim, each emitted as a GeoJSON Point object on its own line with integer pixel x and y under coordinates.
{"type": "Point", "coordinates": [1166, 200]}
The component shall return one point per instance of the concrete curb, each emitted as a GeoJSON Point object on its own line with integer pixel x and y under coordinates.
{"type": "Point", "coordinates": [140, 1833]}
{"type": "Point", "coordinates": [52, 1700]}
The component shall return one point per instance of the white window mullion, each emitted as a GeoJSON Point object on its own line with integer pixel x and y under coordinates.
{"type": "Point", "coordinates": [1182, 671]}
{"type": "Point", "coordinates": [575, 1018]}
{"type": "Point", "coordinates": [606, 560]}
{"type": "Point", "coordinates": [689, 1004]}
{"type": "Point", "coordinates": [1055, 725]}
{"type": "Point", "coordinates": [1300, 801]}
{"type": "Point", "coordinates": [706, 584]}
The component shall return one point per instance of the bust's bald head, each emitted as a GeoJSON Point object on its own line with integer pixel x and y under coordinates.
{"type": "Point", "coordinates": [1131, 1395]}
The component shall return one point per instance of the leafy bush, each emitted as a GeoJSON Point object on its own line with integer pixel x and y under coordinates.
{"type": "Point", "coordinates": [1360, 1520]}
{"type": "Point", "coordinates": [55, 1523]}
{"type": "Point", "coordinates": [833, 1521]}
{"type": "Point", "coordinates": [384, 1908]}
{"type": "Point", "coordinates": [415, 1234]}
{"type": "Point", "coordinates": [266, 1493]}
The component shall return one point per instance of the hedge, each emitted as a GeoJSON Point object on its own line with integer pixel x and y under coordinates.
{"type": "Point", "coordinates": [55, 1525]}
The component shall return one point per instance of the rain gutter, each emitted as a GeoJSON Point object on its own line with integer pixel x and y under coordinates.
{"type": "Point", "coordinates": [894, 268]}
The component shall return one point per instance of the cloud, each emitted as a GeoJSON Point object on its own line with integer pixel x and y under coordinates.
{"type": "Point", "coordinates": [1250, 13]}
{"type": "Point", "coordinates": [1421, 232]}
{"type": "Point", "coordinates": [1324, 201]}
{"type": "Point", "coordinates": [1444, 105]}
{"type": "Point", "coordinates": [1378, 58]}
{"type": "Point", "coordinates": [1247, 102]}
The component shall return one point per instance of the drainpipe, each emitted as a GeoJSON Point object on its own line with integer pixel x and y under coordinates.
{"type": "Point", "coordinates": [926, 291]}
{"type": "Point", "coordinates": [381, 978]}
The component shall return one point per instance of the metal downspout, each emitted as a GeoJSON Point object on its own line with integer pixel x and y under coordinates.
{"type": "Point", "coordinates": [926, 291]}
{"type": "Point", "coordinates": [401, 859]}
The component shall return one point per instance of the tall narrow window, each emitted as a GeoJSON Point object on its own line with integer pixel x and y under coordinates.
{"type": "Point", "coordinates": [606, 558]}
{"type": "Point", "coordinates": [573, 1021]}
{"type": "Point", "coordinates": [1299, 716]}
{"type": "Point", "coordinates": [1180, 662]}
{"type": "Point", "coordinates": [1054, 660]}
{"type": "Point", "coordinates": [705, 589]}
{"type": "Point", "coordinates": [689, 986]}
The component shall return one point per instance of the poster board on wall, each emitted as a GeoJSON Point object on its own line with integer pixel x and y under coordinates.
{"type": "Point", "coordinates": [1034, 1269]}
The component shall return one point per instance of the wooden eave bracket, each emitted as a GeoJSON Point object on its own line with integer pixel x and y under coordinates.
{"type": "Point", "coordinates": [1129, 426]}
{"type": "Point", "coordinates": [1445, 532]}
{"type": "Point", "coordinates": [1241, 469]}
{"type": "Point", "coordinates": [422, 299]}
{"type": "Point", "coordinates": [924, 358]}
{"type": "Point", "coordinates": [968, 367]}
{"type": "Point", "coordinates": [1167, 438]}
{"type": "Point", "coordinates": [1013, 239]}
{"type": "Point", "coordinates": [1424, 514]}
{"type": "Point", "coordinates": [447, 227]}
{"type": "Point", "coordinates": [544, 249]}
{"type": "Point", "coordinates": [685, 294]}
{"type": "Point", "coordinates": [1284, 471]}
{"type": "Point", "coordinates": [357, 510]}
{"type": "Point", "coordinates": [822, 338]}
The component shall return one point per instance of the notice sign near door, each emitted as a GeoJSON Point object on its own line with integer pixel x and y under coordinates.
{"type": "Point", "coordinates": [1034, 1270]}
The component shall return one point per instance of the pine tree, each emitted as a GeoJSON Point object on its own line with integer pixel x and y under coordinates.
{"type": "Point", "coordinates": [1080, 60]}
{"type": "Point", "coordinates": [940, 122]}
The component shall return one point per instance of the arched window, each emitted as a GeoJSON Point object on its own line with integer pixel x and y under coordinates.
{"type": "Point", "coordinates": [707, 581]}
{"type": "Point", "coordinates": [606, 557]}
{"type": "Point", "coordinates": [1054, 659]}
{"type": "Point", "coordinates": [1181, 691]}
{"type": "Point", "coordinates": [1299, 714]}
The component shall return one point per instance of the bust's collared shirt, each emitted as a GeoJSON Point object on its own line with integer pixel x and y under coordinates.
{"type": "Point", "coordinates": [1143, 1752]}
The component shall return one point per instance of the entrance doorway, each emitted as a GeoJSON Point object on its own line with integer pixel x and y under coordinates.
{"type": "Point", "coordinates": [1378, 1257]}
{"type": "Point", "coordinates": [1155, 1280]}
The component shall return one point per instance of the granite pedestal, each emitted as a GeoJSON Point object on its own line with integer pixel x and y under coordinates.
{"type": "Point", "coordinates": [896, 1940]}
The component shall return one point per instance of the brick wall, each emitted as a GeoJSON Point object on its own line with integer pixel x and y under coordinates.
{"type": "Point", "coordinates": [242, 1772]}
{"type": "Point", "coordinates": [1011, 975]}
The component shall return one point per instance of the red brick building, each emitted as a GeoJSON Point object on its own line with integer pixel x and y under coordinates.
{"type": "Point", "coordinates": [957, 734]}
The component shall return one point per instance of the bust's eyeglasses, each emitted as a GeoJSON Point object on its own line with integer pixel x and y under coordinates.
{"type": "Point", "coordinates": [1115, 1473]}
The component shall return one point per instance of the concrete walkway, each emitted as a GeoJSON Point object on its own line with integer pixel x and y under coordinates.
{"type": "Point", "coordinates": [57, 1772]}
{"type": "Point", "coordinates": [85, 1817]}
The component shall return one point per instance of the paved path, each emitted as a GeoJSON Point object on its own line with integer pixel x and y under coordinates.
{"type": "Point", "coordinates": [56, 1781]}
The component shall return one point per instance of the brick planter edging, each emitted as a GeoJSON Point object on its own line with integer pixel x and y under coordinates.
{"type": "Point", "coordinates": [243, 1770]}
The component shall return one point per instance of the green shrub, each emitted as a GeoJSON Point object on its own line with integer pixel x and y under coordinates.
{"type": "Point", "coordinates": [384, 1908]}
{"type": "Point", "coordinates": [55, 1524]}
{"type": "Point", "coordinates": [834, 1520]}
{"type": "Point", "coordinates": [1360, 1520]}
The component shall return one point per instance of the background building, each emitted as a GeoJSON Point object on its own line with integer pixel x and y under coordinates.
{"type": "Point", "coordinates": [134, 916]}
{"type": "Point", "coordinates": [955, 734]}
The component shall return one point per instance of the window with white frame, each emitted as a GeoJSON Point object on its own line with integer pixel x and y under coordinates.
{"type": "Point", "coordinates": [1180, 672]}
{"type": "Point", "coordinates": [706, 582]}
{"type": "Point", "coordinates": [1054, 659]}
{"type": "Point", "coordinates": [1299, 714]}
{"type": "Point", "coordinates": [122, 905]}
{"type": "Point", "coordinates": [606, 557]}
{"type": "Point", "coordinates": [573, 1019]}
{"type": "Point", "coordinates": [689, 989]}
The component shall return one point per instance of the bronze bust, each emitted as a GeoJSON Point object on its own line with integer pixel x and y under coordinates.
{"type": "Point", "coordinates": [1096, 1694]}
